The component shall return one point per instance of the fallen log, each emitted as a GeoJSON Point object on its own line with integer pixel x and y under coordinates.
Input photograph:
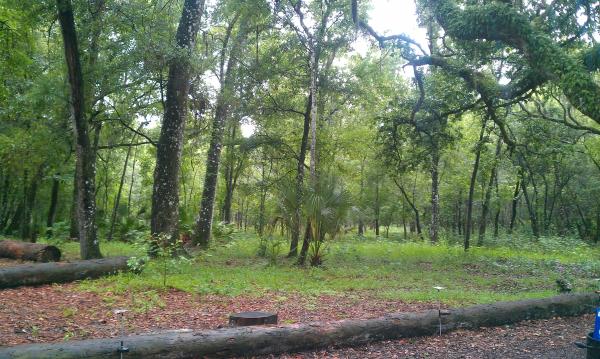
{"type": "Point", "coordinates": [247, 341]}
{"type": "Point", "coordinates": [60, 272]}
{"type": "Point", "coordinates": [29, 251]}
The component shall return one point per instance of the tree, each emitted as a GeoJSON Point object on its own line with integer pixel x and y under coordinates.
{"type": "Point", "coordinates": [165, 193]}
{"type": "Point", "coordinates": [85, 155]}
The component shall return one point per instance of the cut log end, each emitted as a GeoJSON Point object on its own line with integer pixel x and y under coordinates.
{"type": "Point", "coordinates": [252, 318]}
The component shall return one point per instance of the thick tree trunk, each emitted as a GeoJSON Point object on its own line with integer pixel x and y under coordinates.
{"type": "Point", "coordinates": [61, 272]}
{"type": "Point", "coordinates": [53, 204]}
{"type": "Point", "coordinates": [469, 222]}
{"type": "Point", "coordinates": [86, 157]}
{"type": "Point", "coordinates": [165, 192]}
{"type": "Point", "coordinates": [29, 251]}
{"type": "Point", "coordinates": [242, 341]}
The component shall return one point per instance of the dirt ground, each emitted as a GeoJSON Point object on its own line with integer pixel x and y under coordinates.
{"type": "Point", "coordinates": [52, 313]}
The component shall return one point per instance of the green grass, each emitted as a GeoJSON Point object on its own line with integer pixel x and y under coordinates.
{"type": "Point", "coordinates": [375, 268]}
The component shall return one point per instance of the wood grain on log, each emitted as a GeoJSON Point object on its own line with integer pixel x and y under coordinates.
{"type": "Point", "coordinates": [245, 341]}
{"type": "Point", "coordinates": [60, 272]}
{"type": "Point", "coordinates": [29, 251]}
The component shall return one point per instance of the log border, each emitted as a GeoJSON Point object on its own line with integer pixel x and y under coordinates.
{"type": "Point", "coordinates": [60, 272]}
{"type": "Point", "coordinates": [245, 341]}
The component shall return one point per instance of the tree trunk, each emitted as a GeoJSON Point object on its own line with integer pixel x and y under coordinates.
{"type": "Point", "coordinates": [61, 272]}
{"type": "Point", "coordinates": [53, 204]}
{"type": "Point", "coordinates": [86, 157]}
{"type": "Point", "coordinates": [377, 208]}
{"type": "Point", "coordinates": [213, 157]}
{"type": "Point", "coordinates": [488, 194]}
{"type": "Point", "coordinates": [113, 217]}
{"type": "Point", "coordinates": [27, 226]}
{"type": "Point", "coordinates": [413, 206]}
{"type": "Point", "coordinates": [532, 212]}
{"type": "Point", "coordinates": [229, 174]}
{"type": "Point", "coordinates": [131, 182]}
{"type": "Point", "coordinates": [295, 230]}
{"type": "Point", "coordinates": [165, 192]}
{"type": "Point", "coordinates": [305, 243]}
{"type": "Point", "coordinates": [73, 226]}
{"type": "Point", "coordinates": [435, 195]}
{"type": "Point", "coordinates": [29, 251]}
{"type": "Point", "coordinates": [468, 224]}
{"type": "Point", "coordinates": [242, 341]}
{"type": "Point", "coordinates": [514, 204]}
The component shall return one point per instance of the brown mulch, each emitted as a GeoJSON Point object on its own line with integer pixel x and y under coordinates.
{"type": "Point", "coordinates": [543, 339]}
{"type": "Point", "coordinates": [52, 313]}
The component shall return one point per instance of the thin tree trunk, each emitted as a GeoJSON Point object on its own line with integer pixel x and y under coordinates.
{"type": "Point", "coordinates": [74, 227]}
{"type": "Point", "coordinates": [165, 192]}
{"type": "Point", "coordinates": [514, 204]}
{"type": "Point", "coordinates": [27, 226]}
{"type": "Point", "coordinates": [488, 194]}
{"type": "Point", "coordinates": [413, 206]}
{"type": "Point", "coordinates": [295, 230]}
{"type": "Point", "coordinates": [435, 195]}
{"type": "Point", "coordinates": [305, 243]}
{"type": "Point", "coordinates": [468, 225]}
{"type": "Point", "coordinates": [53, 204]}
{"type": "Point", "coordinates": [213, 157]}
{"type": "Point", "coordinates": [377, 205]}
{"type": "Point", "coordinates": [532, 212]}
{"type": "Point", "coordinates": [113, 217]}
{"type": "Point", "coordinates": [86, 157]}
{"type": "Point", "coordinates": [131, 182]}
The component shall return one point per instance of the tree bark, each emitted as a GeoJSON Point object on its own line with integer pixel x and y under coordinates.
{"type": "Point", "coordinates": [235, 342]}
{"type": "Point", "coordinates": [29, 251]}
{"type": "Point", "coordinates": [86, 157]}
{"type": "Point", "coordinates": [305, 243]}
{"type": "Point", "coordinates": [113, 217]}
{"type": "Point", "coordinates": [488, 194]}
{"type": "Point", "coordinates": [165, 192]}
{"type": "Point", "coordinates": [469, 222]}
{"type": "Point", "coordinates": [295, 230]}
{"type": "Point", "coordinates": [53, 204]}
{"type": "Point", "coordinates": [435, 194]}
{"type": "Point", "coordinates": [412, 205]}
{"type": "Point", "coordinates": [204, 222]}
{"type": "Point", "coordinates": [61, 272]}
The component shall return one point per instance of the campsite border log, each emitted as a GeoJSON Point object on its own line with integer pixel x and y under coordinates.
{"type": "Point", "coordinates": [37, 252]}
{"type": "Point", "coordinates": [60, 272]}
{"type": "Point", "coordinates": [245, 341]}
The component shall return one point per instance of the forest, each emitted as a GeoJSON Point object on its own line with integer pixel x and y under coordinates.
{"type": "Point", "coordinates": [297, 157]}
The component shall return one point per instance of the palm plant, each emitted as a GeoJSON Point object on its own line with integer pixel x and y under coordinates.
{"type": "Point", "coordinates": [326, 206]}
